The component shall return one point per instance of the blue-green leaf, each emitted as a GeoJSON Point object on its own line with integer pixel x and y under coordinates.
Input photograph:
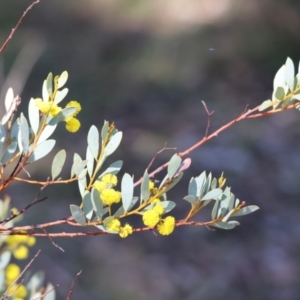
{"type": "Point", "coordinates": [174, 165]}
{"type": "Point", "coordinates": [62, 79]}
{"type": "Point", "coordinates": [11, 149]}
{"type": "Point", "coordinates": [60, 95]}
{"type": "Point", "coordinates": [226, 225]}
{"type": "Point", "coordinates": [190, 198]}
{"type": "Point", "coordinates": [77, 214]}
{"type": "Point", "coordinates": [2, 136]}
{"type": "Point", "coordinates": [113, 144]}
{"type": "Point", "coordinates": [34, 117]}
{"type": "Point", "coordinates": [41, 150]}
{"type": "Point", "coordinates": [87, 205]}
{"type": "Point", "coordinates": [97, 204]}
{"type": "Point", "coordinates": [145, 192]}
{"type": "Point", "coordinates": [289, 73]}
{"type": "Point", "coordinates": [114, 168]}
{"type": "Point", "coordinates": [213, 194]}
{"type": "Point", "coordinates": [49, 292]}
{"type": "Point", "coordinates": [245, 210]}
{"type": "Point", "coordinates": [93, 141]}
{"type": "Point", "coordinates": [127, 187]}
{"type": "Point", "coordinates": [58, 163]}
{"type": "Point", "coordinates": [104, 130]}
{"type": "Point", "coordinates": [23, 136]}
{"type": "Point", "coordinates": [192, 190]}
{"type": "Point", "coordinates": [47, 132]}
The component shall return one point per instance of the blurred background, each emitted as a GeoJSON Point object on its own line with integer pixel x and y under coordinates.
{"type": "Point", "coordinates": [147, 65]}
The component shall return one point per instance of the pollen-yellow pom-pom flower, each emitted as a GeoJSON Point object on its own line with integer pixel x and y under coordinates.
{"type": "Point", "coordinates": [159, 208]}
{"type": "Point", "coordinates": [125, 231]}
{"type": "Point", "coordinates": [72, 124]}
{"type": "Point", "coordinates": [110, 178]}
{"type": "Point", "coordinates": [114, 225]}
{"type": "Point", "coordinates": [166, 226]}
{"type": "Point", "coordinates": [110, 196]}
{"type": "Point", "coordinates": [100, 185]}
{"type": "Point", "coordinates": [18, 291]}
{"type": "Point", "coordinates": [151, 218]}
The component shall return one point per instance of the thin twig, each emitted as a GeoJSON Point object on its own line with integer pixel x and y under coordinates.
{"type": "Point", "coordinates": [54, 244]}
{"type": "Point", "coordinates": [72, 286]}
{"type": "Point", "coordinates": [209, 114]}
{"type": "Point", "coordinates": [4, 296]}
{"type": "Point", "coordinates": [18, 24]}
{"type": "Point", "coordinates": [48, 292]}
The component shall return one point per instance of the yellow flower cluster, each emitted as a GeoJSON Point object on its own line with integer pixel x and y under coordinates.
{"type": "Point", "coordinates": [18, 292]}
{"type": "Point", "coordinates": [115, 225]}
{"type": "Point", "coordinates": [105, 185]}
{"type": "Point", "coordinates": [51, 108]}
{"type": "Point", "coordinates": [18, 244]}
{"type": "Point", "coordinates": [152, 188]}
{"type": "Point", "coordinates": [152, 218]}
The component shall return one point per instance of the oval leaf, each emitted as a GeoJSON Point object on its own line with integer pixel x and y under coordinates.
{"type": "Point", "coordinates": [41, 150]}
{"type": "Point", "coordinates": [113, 144]}
{"type": "Point", "coordinates": [245, 210]}
{"type": "Point", "coordinates": [58, 163]}
{"type": "Point", "coordinates": [23, 135]}
{"type": "Point", "coordinates": [213, 194]}
{"type": "Point", "coordinates": [127, 187]}
{"type": "Point", "coordinates": [62, 79]}
{"type": "Point", "coordinates": [60, 95]}
{"type": "Point", "coordinates": [93, 141]}
{"type": "Point", "coordinates": [77, 214]}
{"type": "Point", "coordinates": [34, 117]}
{"type": "Point", "coordinates": [145, 187]}
{"type": "Point", "coordinates": [174, 165]}
{"type": "Point", "coordinates": [87, 205]}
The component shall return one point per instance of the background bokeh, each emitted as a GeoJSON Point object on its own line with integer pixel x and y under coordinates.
{"type": "Point", "coordinates": [147, 65]}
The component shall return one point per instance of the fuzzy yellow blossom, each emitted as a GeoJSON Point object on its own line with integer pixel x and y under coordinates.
{"type": "Point", "coordinates": [48, 107]}
{"type": "Point", "coordinates": [125, 231]}
{"type": "Point", "coordinates": [30, 241]}
{"type": "Point", "coordinates": [76, 105]}
{"type": "Point", "coordinates": [151, 218]}
{"type": "Point", "coordinates": [100, 185]}
{"type": "Point", "coordinates": [110, 178]}
{"type": "Point", "coordinates": [21, 252]}
{"type": "Point", "coordinates": [110, 196]}
{"type": "Point", "coordinates": [12, 271]}
{"type": "Point", "coordinates": [152, 187]}
{"type": "Point", "coordinates": [18, 291]}
{"type": "Point", "coordinates": [166, 226]}
{"type": "Point", "coordinates": [114, 225]}
{"type": "Point", "coordinates": [159, 208]}
{"type": "Point", "coordinates": [221, 181]}
{"type": "Point", "coordinates": [72, 124]}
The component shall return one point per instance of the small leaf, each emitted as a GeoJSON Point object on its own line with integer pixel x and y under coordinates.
{"type": "Point", "coordinates": [90, 161]}
{"type": "Point", "coordinates": [289, 73]}
{"type": "Point", "coordinates": [60, 95]}
{"type": "Point", "coordinates": [87, 205]}
{"type": "Point", "coordinates": [215, 210]}
{"type": "Point", "coordinates": [47, 132]}
{"type": "Point", "coordinates": [279, 79]}
{"type": "Point", "coordinates": [114, 168]}
{"type": "Point", "coordinates": [76, 161]}
{"type": "Point", "coordinates": [200, 182]}
{"type": "Point", "coordinates": [174, 181]}
{"type": "Point", "coordinates": [280, 93]}
{"type": "Point", "coordinates": [192, 190]}
{"type": "Point", "coordinates": [34, 117]}
{"type": "Point", "coordinates": [266, 104]}
{"type": "Point", "coordinates": [23, 135]}
{"type": "Point", "coordinates": [78, 168]}
{"type": "Point", "coordinates": [127, 187]}
{"type": "Point", "coordinates": [213, 194]}
{"type": "Point", "coordinates": [121, 211]}
{"type": "Point", "coordinates": [82, 185]}
{"type": "Point", "coordinates": [174, 165]}
{"type": "Point", "coordinates": [107, 221]}
{"type": "Point", "coordinates": [113, 144]}
{"type": "Point", "coordinates": [145, 187]}
{"type": "Point", "coordinates": [168, 205]}
{"type": "Point", "coordinates": [11, 149]}
{"type": "Point", "coordinates": [78, 214]}
{"type": "Point", "coordinates": [58, 163]}
{"type": "Point", "coordinates": [97, 203]}
{"type": "Point", "coordinates": [245, 210]}
{"type": "Point", "coordinates": [93, 141]}
{"type": "Point", "coordinates": [226, 225]}
{"type": "Point", "coordinates": [41, 150]}
{"type": "Point", "coordinates": [190, 198]}
{"type": "Point", "coordinates": [5, 259]}
{"type": "Point", "coordinates": [62, 79]}
{"type": "Point", "coordinates": [104, 130]}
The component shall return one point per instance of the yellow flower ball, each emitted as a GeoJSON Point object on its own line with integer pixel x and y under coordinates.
{"type": "Point", "coordinates": [100, 185]}
{"type": "Point", "coordinates": [110, 178]}
{"type": "Point", "coordinates": [114, 225]}
{"type": "Point", "coordinates": [76, 105]}
{"type": "Point", "coordinates": [125, 231]}
{"type": "Point", "coordinates": [151, 218]}
{"type": "Point", "coordinates": [21, 252]}
{"type": "Point", "coordinates": [166, 226]}
{"type": "Point", "coordinates": [12, 271]}
{"type": "Point", "coordinates": [72, 124]}
{"type": "Point", "coordinates": [110, 196]}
